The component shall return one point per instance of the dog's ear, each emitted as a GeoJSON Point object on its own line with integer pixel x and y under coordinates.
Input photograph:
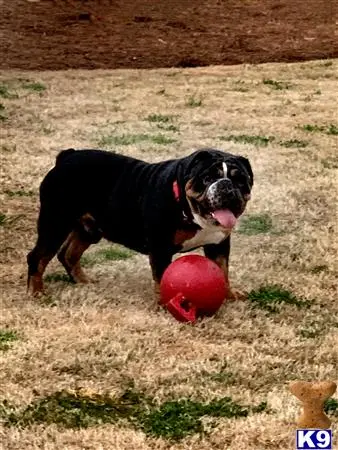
{"type": "Point", "coordinates": [246, 163]}
{"type": "Point", "coordinates": [188, 166]}
{"type": "Point", "coordinates": [196, 158]}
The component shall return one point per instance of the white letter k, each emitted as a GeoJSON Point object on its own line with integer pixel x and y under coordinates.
{"type": "Point", "coordinates": [304, 437]}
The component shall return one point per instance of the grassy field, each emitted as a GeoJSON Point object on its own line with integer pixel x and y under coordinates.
{"type": "Point", "coordinates": [100, 366]}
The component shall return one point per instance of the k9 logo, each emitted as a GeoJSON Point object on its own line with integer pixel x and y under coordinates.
{"type": "Point", "coordinates": [314, 439]}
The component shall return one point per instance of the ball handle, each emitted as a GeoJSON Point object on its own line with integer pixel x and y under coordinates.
{"type": "Point", "coordinates": [181, 308]}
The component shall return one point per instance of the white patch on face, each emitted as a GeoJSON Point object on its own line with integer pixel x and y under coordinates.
{"type": "Point", "coordinates": [225, 170]}
{"type": "Point", "coordinates": [209, 234]}
{"type": "Point", "coordinates": [213, 187]}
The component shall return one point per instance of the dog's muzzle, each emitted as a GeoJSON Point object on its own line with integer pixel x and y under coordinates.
{"type": "Point", "coordinates": [222, 194]}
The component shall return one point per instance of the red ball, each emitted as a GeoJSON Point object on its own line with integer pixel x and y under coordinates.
{"type": "Point", "coordinates": [193, 286]}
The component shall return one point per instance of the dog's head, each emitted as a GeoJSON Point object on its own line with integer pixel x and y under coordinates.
{"type": "Point", "coordinates": [217, 186]}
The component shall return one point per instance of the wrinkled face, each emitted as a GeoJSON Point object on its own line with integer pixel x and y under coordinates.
{"type": "Point", "coordinates": [219, 187]}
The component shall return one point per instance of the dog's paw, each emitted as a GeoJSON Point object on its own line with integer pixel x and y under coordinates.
{"type": "Point", "coordinates": [36, 295]}
{"type": "Point", "coordinates": [156, 297]}
{"type": "Point", "coordinates": [157, 290]}
{"type": "Point", "coordinates": [35, 287]}
{"type": "Point", "coordinates": [236, 294]}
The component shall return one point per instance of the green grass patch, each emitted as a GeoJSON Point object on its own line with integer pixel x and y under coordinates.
{"type": "Point", "coordinates": [131, 139]}
{"type": "Point", "coordinates": [277, 85]}
{"type": "Point", "coordinates": [172, 420]}
{"type": "Point", "coordinates": [3, 115]}
{"type": "Point", "coordinates": [88, 260]}
{"type": "Point", "coordinates": [19, 193]}
{"type": "Point", "coordinates": [3, 219]}
{"type": "Point", "coordinates": [47, 130]}
{"type": "Point", "coordinates": [331, 407]}
{"type": "Point", "coordinates": [240, 86]}
{"type": "Point", "coordinates": [112, 253]}
{"type": "Point", "coordinates": [310, 331]}
{"type": "Point", "coordinates": [312, 128]}
{"type": "Point", "coordinates": [330, 129]}
{"type": "Point", "coordinates": [7, 148]}
{"type": "Point", "coordinates": [9, 220]}
{"type": "Point", "coordinates": [6, 338]}
{"type": "Point", "coordinates": [57, 277]}
{"type": "Point", "coordinates": [170, 127]}
{"type": "Point", "coordinates": [115, 253]}
{"type": "Point", "coordinates": [258, 141]}
{"type": "Point", "coordinates": [72, 410]}
{"type": "Point", "coordinates": [315, 327]}
{"type": "Point", "coordinates": [194, 102]}
{"type": "Point", "coordinates": [255, 224]}
{"type": "Point", "coordinates": [330, 162]}
{"type": "Point", "coordinates": [163, 118]}
{"type": "Point", "coordinates": [222, 375]}
{"type": "Point", "coordinates": [34, 86]}
{"type": "Point", "coordinates": [294, 143]}
{"type": "Point", "coordinates": [5, 92]}
{"type": "Point", "coordinates": [161, 139]}
{"type": "Point", "coordinates": [271, 298]}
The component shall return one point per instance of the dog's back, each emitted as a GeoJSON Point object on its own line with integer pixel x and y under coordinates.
{"type": "Point", "coordinates": [87, 174]}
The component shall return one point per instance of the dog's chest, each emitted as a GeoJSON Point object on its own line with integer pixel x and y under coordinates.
{"type": "Point", "coordinates": [190, 239]}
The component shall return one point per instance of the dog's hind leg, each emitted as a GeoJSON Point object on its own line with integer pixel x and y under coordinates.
{"type": "Point", "coordinates": [85, 233]}
{"type": "Point", "coordinates": [70, 254]}
{"type": "Point", "coordinates": [51, 234]}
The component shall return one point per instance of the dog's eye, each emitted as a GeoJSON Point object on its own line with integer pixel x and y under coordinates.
{"type": "Point", "coordinates": [237, 176]}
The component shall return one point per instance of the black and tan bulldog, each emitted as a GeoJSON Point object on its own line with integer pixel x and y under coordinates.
{"type": "Point", "coordinates": [156, 209]}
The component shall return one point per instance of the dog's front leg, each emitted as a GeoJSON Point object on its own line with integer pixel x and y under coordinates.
{"type": "Point", "coordinates": [220, 254]}
{"type": "Point", "coordinates": [159, 259]}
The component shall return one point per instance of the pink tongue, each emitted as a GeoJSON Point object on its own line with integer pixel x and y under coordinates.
{"type": "Point", "coordinates": [225, 217]}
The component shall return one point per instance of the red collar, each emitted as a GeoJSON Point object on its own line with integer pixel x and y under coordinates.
{"type": "Point", "coordinates": [176, 191]}
{"type": "Point", "coordinates": [187, 218]}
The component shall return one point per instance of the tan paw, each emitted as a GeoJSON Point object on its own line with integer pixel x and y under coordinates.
{"type": "Point", "coordinates": [35, 287]}
{"type": "Point", "coordinates": [236, 294]}
{"type": "Point", "coordinates": [157, 290]}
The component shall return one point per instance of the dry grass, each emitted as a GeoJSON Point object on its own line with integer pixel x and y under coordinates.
{"type": "Point", "coordinates": [109, 335]}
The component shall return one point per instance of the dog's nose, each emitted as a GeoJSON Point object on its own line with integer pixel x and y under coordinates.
{"type": "Point", "coordinates": [221, 189]}
{"type": "Point", "coordinates": [224, 184]}
{"type": "Point", "coordinates": [220, 193]}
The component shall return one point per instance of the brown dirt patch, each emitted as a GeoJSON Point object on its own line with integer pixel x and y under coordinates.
{"type": "Point", "coordinates": [61, 34]}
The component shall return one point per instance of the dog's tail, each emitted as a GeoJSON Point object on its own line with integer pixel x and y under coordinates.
{"type": "Point", "coordinates": [63, 154]}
